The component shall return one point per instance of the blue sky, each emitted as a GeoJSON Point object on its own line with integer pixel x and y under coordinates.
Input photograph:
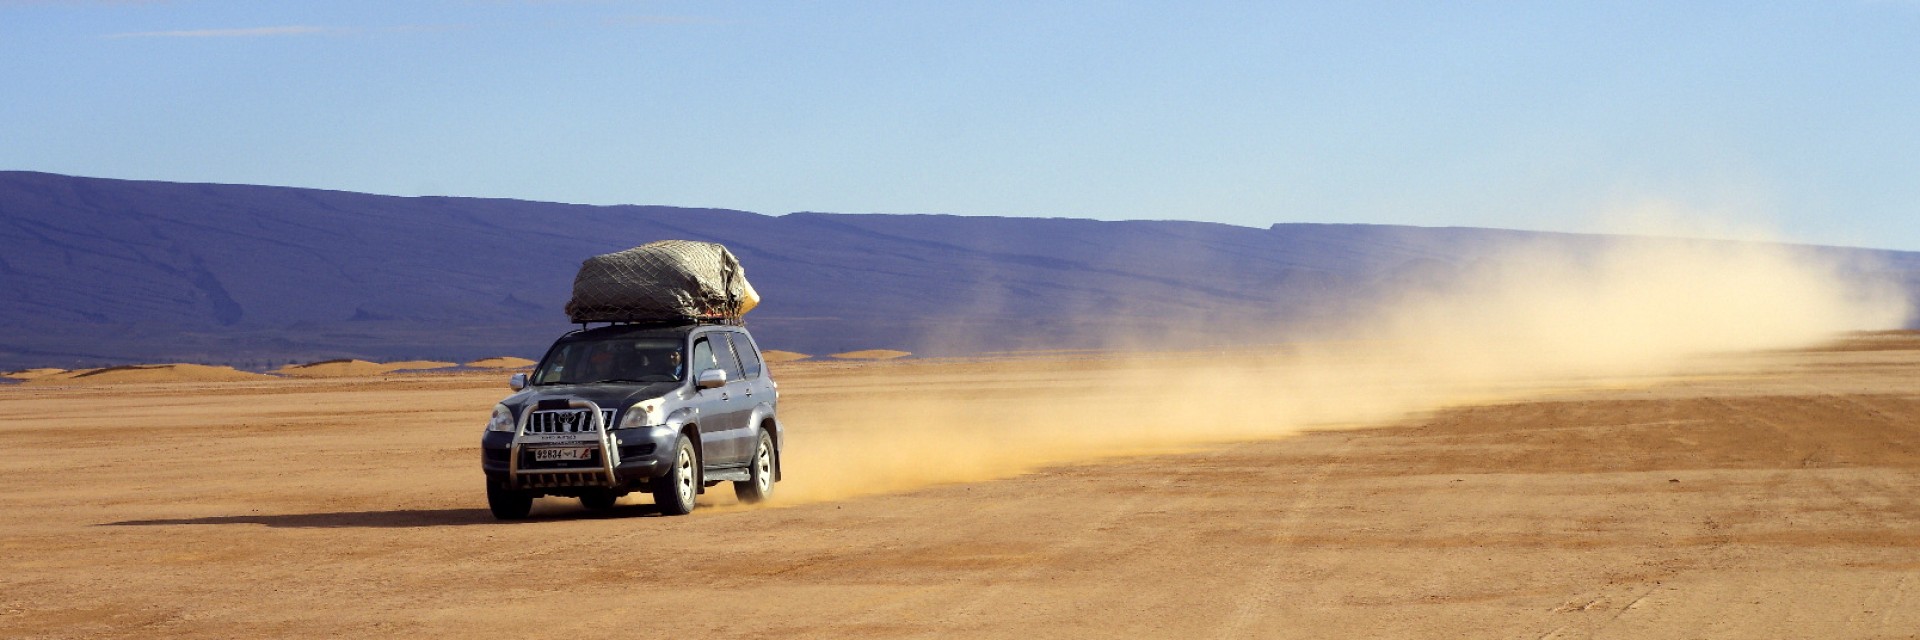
{"type": "Point", "coordinates": [1803, 117]}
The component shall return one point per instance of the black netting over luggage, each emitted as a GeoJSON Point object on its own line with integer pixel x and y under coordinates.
{"type": "Point", "coordinates": [667, 280]}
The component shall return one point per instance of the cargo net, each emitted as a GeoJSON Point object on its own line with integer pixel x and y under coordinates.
{"type": "Point", "coordinates": [664, 281]}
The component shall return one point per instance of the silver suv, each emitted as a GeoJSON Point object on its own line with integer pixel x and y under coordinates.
{"type": "Point", "coordinates": [624, 408]}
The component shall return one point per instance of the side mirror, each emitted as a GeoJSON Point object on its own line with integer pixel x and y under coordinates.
{"type": "Point", "coordinates": [711, 379]}
{"type": "Point", "coordinates": [518, 381]}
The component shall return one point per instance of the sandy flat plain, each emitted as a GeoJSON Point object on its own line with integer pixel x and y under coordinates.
{"type": "Point", "coordinates": [1772, 495]}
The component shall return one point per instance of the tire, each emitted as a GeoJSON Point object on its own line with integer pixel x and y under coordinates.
{"type": "Point", "coordinates": [599, 500]}
{"type": "Point", "coordinates": [508, 504]}
{"type": "Point", "coordinates": [675, 491]}
{"type": "Point", "coordinates": [759, 483]}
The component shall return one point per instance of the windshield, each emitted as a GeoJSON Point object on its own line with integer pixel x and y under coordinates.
{"type": "Point", "coordinates": [612, 360]}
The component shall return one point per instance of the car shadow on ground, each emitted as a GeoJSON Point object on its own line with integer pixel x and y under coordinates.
{"type": "Point", "coordinates": [401, 518]}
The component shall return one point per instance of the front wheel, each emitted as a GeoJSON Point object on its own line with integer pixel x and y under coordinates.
{"type": "Point", "coordinates": [674, 492]}
{"type": "Point", "coordinates": [759, 483]}
{"type": "Point", "coordinates": [508, 504]}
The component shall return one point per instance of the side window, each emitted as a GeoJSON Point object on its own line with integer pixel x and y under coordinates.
{"type": "Point", "coordinates": [566, 363]}
{"type": "Point", "coordinates": [702, 357]}
{"type": "Point", "coordinates": [723, 351]}
{"type": "Point", "coordinates": [556, 362]}
{"type": "Point", "coordinates": [749, 356]}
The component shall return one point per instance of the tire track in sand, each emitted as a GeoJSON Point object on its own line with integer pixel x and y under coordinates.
{"type": "Point", "coordinates": [1249, 608]}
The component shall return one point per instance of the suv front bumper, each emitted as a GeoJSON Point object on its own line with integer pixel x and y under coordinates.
{"type": "Point", "coordinates": [644, 454]}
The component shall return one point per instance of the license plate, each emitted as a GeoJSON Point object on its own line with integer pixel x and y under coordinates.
{"type": "Point", "coordinates": [562, 453]}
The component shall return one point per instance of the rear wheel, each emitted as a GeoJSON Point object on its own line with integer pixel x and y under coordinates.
{"type": "Point", "coordinates": [675, 491]}
{"type": "Point", "coordinates": [759, 483]}
{"type": "Point", "coordinates": [508, 504]}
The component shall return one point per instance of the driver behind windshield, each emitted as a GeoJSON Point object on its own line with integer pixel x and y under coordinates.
{"type": "Point", "coordinates": [614, 361]}
{"type": "Point", "coordinates": [650, 365]}
{"type": "Point", "coordinates": [600, 363]}
{"type": "Point", "coordinates": [665, 365]}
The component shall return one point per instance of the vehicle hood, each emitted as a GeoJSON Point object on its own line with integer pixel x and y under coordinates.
{"type": "Point", "coordinates": [608, 396]}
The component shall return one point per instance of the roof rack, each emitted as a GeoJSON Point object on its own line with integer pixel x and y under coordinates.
{"type": "Point", "coordinates": [733, 321]}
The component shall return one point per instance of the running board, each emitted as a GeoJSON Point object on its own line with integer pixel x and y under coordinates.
{"type": "Point", "coordinates": [737, 474]}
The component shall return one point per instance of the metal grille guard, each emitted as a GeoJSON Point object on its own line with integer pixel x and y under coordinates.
{"type": "Point", "coordinates": [609, 454]}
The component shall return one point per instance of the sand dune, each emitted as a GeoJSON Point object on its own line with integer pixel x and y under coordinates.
{"type": "Point", "coordinates": [502, 362]}
{"type": "Point", "coordinates": [352, 368]}
{"type": "Point", "coordinates": [31, 374]}
{"type": "Point", "coordinates": [783, 356]}
{"type": "Point", "coordinates": [332, 368]}
{"type": "Point", "coordinates": [872, 354]}
{"type": "Point", "coordinates": [144, 373]}
{"type": "Point", "coordinates": [418, 365]}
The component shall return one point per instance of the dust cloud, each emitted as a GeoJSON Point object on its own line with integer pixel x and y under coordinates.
{"type": "Point", "coordinates": [1521, 322]}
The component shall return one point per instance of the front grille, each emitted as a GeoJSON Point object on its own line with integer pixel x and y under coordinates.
{"type": "Point", "coordinates": [564, 480]}
{"type": "Point", "coordinates": [566, 421]}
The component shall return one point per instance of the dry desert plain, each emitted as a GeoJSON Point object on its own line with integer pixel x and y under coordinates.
{"type": "Point", "coordinates": [1191, 495]}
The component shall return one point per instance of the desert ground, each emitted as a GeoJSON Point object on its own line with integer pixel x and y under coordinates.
{"type": "Point", "coordinates": [1186, 495]}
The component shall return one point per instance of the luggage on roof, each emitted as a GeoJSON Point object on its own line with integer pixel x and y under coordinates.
{"type": "Point", "coordinates": [668, 280]}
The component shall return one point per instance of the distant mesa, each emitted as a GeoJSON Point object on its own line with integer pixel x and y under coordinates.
{"type": "Point", "coordinates": [503, 362]}
{"type": "Point", "coordinates": [777, 355]}
{"type": "Point", "coordinates": [138, 373]}
{"type": "Point", "coordinates": [360, 314]}
{"type": "Point", "coordinates": [514, 301]}
{"type": "Point", "coordinates": [314, 272]}
{"type": "Point", "coordinates": [872, 354]}
{"type": "Point", "coordinates": [346, 368]}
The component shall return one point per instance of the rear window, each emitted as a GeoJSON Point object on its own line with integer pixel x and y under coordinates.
{"type": "Point", "coordinates": [723, 351]}
{"type": "Point", "coordinates": [749, 355]}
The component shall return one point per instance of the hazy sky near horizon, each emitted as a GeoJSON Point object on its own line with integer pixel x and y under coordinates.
{"type": "Point", "coordinates": [1801, 117]}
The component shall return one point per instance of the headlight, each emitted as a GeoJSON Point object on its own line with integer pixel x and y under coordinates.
{"type": "Point", "coordinates": [502, 419]}
{"type": "Point", "coordinates": [644, 413]}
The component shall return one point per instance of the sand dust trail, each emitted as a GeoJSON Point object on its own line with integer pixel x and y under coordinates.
{"type": "Point", "coordinates": [1528, 321]}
